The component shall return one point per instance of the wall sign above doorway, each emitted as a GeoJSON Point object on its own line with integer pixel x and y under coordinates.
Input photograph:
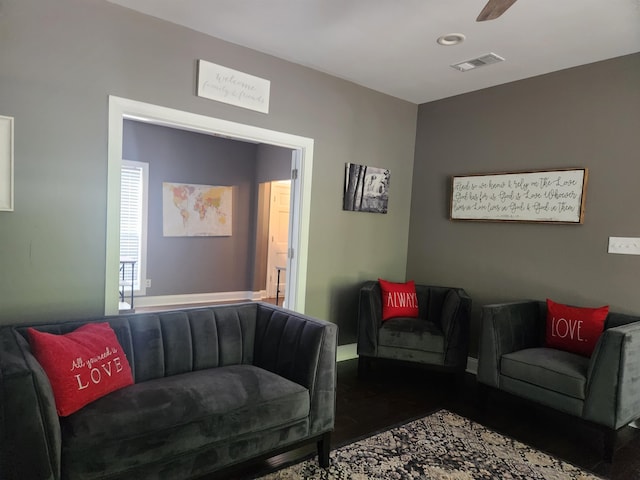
{"type": "Point", "coordinates": [223, 84]}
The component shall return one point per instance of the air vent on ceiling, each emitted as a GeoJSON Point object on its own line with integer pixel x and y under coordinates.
{"type": "Point", "coordinates": [488, 59]}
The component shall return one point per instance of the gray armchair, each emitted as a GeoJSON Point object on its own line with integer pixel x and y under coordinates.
{"type": "Point", "coordinates": [439, 337]}
{"type": "Point", "coordinates": [603, 389]}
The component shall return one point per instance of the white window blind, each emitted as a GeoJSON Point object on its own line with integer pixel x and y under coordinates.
{"type": "Point", "coordinates": [133, 222]}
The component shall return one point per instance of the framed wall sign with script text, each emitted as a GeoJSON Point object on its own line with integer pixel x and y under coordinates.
{"type": "Point", "coordinates": [546, 196]}
{"type": "Point", "coordinates": [226, 85]}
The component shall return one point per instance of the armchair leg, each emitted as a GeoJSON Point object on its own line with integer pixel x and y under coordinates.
{"type": "Point", "coordinates": [324, 447]}
{"type": "Point", "coordinates": [364, 366]}
{"type": "Point", "coordinates": [458, 380]}
{"type": "Point", "coordinates": [610, 438]}
{"type": "Point", "coordinates": [482, 396]}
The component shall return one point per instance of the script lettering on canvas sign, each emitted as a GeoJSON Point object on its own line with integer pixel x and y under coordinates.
{"type": "Point", "coordinates": [93, 370]}
{"type": "Point", "coordinates": [552, 196]}
{"type": "Point", "coordinates": [226, 85]}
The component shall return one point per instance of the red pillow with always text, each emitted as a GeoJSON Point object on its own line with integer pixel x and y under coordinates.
{"type": "Point", "coordinates": [398, 299]}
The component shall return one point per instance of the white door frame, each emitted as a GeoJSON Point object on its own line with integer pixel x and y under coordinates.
{"type": "Point", "coordinates": [122, 108]}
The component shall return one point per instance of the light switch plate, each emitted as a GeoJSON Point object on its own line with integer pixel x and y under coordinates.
{"type": "Point", "coordinates": [624, 245]}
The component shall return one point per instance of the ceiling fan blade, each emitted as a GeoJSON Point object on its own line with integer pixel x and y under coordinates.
{"type": "Point", "coordinates": [493, 9]}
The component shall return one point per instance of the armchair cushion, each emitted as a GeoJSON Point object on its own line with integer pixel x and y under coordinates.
{"type": "Point", "coordinates": [412, 333]}
{"type": "Point", "coordinates": [551, 369]}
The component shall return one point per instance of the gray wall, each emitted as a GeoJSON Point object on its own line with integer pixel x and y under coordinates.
{"type": "Point", "coordinates": [274, 163]}
{"type": "Point", "coordinates": [186, 265]}
{"type": "Point", "coordinates": [583, 117]}
{"type": "Point", "coordinates": [61, 60]}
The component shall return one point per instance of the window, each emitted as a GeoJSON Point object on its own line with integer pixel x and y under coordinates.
{"type": "Point", "coordinates": [133, 222]}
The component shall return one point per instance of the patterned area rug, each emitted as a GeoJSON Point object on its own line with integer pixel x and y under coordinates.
{"type": "Point", "coordinates": [441, 446]}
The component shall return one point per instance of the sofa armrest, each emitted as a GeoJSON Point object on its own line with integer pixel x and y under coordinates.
{"type": "Point", "coordinates": [507, 328]}
{"type": "Point", "coordinates": [369, 318]}
{"type": "Point", "coordinates": [613, 382]}
{"type": "Point", "coordinates": [303, 350]}
{"type": "Point", "coordinates": [456, 320]}
{"type": "Point", "coordinates": [30, 437]}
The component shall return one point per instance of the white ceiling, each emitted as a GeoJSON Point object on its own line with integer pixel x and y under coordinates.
{"type": "Point", "coordinates": [390, 45]}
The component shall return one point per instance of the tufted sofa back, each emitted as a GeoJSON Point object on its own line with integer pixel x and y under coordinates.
{"type": "Point", "coordinates": [170, 343]}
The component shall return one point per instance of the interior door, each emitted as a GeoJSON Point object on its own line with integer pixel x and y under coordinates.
{"type": "Point", "coordinates": [278, 237]}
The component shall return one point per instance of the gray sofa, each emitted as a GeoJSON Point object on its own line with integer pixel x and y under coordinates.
{"type": "Point", "coordinates": [439, 337]}
{"type": "Point", "coordinates": [603, 389]}
{"type": "Point", "coordinates": [213, 387]}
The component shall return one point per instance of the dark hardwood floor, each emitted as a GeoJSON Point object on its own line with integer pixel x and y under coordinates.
{"type": "Point", "coordinates": [393, 394]}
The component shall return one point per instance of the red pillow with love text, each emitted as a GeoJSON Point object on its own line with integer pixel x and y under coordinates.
{"type": "Point", "coordinates": [398, 299]}
{"type": "Point", "coordinates": [82, 365]}
{"type": "Point", "coordinates": [574, 329]}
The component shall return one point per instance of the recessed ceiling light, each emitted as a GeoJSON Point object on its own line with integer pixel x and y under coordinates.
{"type": "Point", "coordinates": [451, 39]}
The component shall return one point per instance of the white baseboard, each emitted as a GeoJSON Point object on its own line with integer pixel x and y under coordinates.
{"type": "Point", "coordinates": [472, 365]}
{"type": "Point", "coordinates": [167, 300]}
{"type": "Point", "coordinates": [347, 352]}
{"type": "Point", "coordinates": [123, 306]}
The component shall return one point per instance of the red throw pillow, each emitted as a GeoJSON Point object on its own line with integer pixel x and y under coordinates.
{"type": "Point", "coordinates": [574, 329]}
{"type": "Point", "coordinates": [398, 299]}
{"type": "Point", "coordinates": [82, 365]}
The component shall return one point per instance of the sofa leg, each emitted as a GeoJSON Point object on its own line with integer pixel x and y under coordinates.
{"type": "Point", "coordinates": [482, 396]}
{"type": "Point", "coordinates": [324, 446]}
{"type": "Point", "coordinates": [458, 380]}
{"type": "Point", "coordinates": [610, 438]}
{"type": "Point", "coordinates": [364, 366]}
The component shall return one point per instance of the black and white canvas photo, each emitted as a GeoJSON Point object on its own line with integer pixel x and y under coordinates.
{"type": "Point", "coordinates": [366, 189]}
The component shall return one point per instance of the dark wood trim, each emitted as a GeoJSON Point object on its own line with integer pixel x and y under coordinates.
{"type": "Point", "coordinates": [323, 442]}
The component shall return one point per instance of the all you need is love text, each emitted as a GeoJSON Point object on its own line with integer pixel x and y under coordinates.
{"type": "Point", "coordinates": [95, 369]}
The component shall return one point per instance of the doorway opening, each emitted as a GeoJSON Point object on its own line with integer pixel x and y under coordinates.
{"type": "Point", "coordinates": [295, 272]}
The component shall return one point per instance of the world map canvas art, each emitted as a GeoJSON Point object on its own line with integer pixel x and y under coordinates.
{"type": "Point", "coordinates": [196, 210]}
